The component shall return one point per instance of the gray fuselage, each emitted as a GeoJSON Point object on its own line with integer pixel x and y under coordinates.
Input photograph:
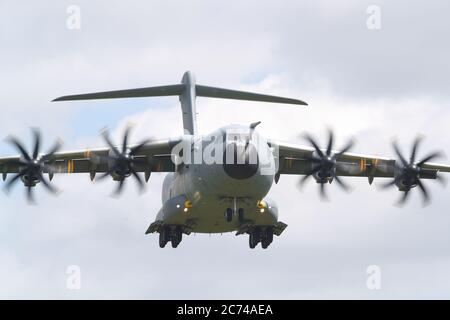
{"type": "Point", "coordinates": [202, 189]}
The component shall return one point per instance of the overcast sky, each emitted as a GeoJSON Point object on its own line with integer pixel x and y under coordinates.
{"type": "Point", "coordinates": [373, 85]}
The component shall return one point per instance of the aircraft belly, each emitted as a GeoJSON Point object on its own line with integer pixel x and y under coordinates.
{"type": "Point", "coordinates": [211, 218]}
{"type": "Point", "coordinates": [210, 192]}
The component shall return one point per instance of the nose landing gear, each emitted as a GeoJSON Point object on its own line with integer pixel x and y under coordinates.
{"type": "Point", "coordinates": [241, 215]}
{"type": "Point", "coordinates": [229, 213]}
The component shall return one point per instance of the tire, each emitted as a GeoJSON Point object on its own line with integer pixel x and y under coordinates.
{"type": "Point", "coordinates": [251, 241]}
{"type": "Point", "coordinates": [254, 237]}
{"type": "Point", "coordinates": [264, 243]}
{"type": "Point", "coordinates": [229, 215]}
{"type": "Point", "coordinates": [163, 237]}
{"type": "Point", "coordinates": [269, 235]}
{"type": "Point", "coordinates": [177, 237]}
{"type": "Point", "coordinates": [241, 215]}
{"type": "Point", "coordinates": [175, 243]}
{"type": "Point", "coordinates": [257, 234]}
{"type": "Point", "coordinates": [179, 234]}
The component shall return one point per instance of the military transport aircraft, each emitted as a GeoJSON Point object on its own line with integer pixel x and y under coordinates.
{"type": "Point", "coordinates": [218, 182]}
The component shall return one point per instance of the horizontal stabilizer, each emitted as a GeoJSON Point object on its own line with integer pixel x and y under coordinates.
{"type": "Point", "coordinates": [178, 89]}
{"type": "Point", "coordinates": [187, 91]}
{"type": "Point", "coordinates": [212, 92]}
{"type": "Point", "coordinates": [173, 90]}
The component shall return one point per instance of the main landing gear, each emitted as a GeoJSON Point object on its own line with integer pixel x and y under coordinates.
{"type": "Point", "coordinates": [260, 234]}
{"type": "Point", "coordinates": [174, 234]}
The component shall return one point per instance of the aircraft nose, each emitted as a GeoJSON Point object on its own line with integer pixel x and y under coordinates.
{"type": "Point", "coordinates": [240, 162]}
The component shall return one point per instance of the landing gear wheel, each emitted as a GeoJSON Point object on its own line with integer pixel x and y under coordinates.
{"type": "Point", "coordinates": [269, 234]}
{"type": "Point", "coordinates": [251, 241]}
{"type": "Point", "coordinates": [229, 214]}
{"type": "Point", "coordinates": [177, 236]}
{"type": "Point", "coordinates": [163, 237]}
{"type": "Point", "coordinates": [241, 215]}
{"type": "Point", "coordinates": [254, 237]}
{"type": "Point", "coordinates": [265, 243]}
{"type": "Point", "coordinates": [267, 238]}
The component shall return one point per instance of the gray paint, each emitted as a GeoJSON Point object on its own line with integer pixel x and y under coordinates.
{"type": "Point", "coordinates": [211, 191]}
{"type": "Point", "coordinates": [187, 100]}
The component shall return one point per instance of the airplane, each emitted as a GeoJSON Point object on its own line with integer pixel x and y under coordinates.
{"type": "Point", "coordinates": [218, 182]}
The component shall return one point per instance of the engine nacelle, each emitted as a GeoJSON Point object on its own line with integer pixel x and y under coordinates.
{"type": "Point", "coordinates": [35, 168]}
{"type": "Point", "coordinates": [121, 168]}
{"type": "Point", "coordinates": [30, 181]}
{"type": "Point", "coordinates": [402, 184]}
{"type": "Point", "coordinates": [323, 176]}
{"type": "Point", "coordinates": [406, 180]}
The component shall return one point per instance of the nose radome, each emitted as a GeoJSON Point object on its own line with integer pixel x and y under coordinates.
{"type": "Point", "coordinates": [240, 162]}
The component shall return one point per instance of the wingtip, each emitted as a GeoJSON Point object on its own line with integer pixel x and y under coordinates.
{"type": "Point", "coordinates": [65, 98]}
{"type": "Point", "coordinates": [302, 103]}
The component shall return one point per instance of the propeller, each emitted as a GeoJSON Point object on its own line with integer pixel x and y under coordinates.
{"type": "Point", "coordinates": [324, 163]}
{"type": "Point", "coordinates": [122, 163]}
{"type": "Point", "coordinates": [33, 165]}
{"type": "Point", "coordinates": [409, 172]}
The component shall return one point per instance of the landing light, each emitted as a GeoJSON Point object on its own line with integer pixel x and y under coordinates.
{"type": "Point", "coordinates": [262, 204]}
{"type": "Point", "coordinates": [261, 210]}
{"type": "Point", "coordinates": [185, 209]}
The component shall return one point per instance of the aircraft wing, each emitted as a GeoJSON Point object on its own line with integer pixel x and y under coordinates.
{"type": "Point", "coordinates": [157, 153]}
{"type": "Point", "coordinates": [295, 159]}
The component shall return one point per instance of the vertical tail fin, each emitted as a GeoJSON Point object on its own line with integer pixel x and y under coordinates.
{"type": "Point", "coordinates": [187, 100]}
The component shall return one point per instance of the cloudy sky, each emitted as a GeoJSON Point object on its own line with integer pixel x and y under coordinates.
{"type": "Point", "coordinates": [373, 85]}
